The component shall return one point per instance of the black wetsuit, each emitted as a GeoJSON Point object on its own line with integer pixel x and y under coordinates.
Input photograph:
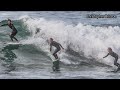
{"type": "Point", "coordinates": [37, 30]}
{"type": "Point", "coordinates": [57, 45]}
{"type": "Point", "coordinates": [115, 56]}
{"type": "Point", "coordinates": [55, 63]}
{"type": "Point", "coordinates": [14, 32]}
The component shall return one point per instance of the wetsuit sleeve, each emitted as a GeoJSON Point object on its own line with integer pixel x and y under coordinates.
{"type": "Point", "coordinates": [50, 47]}
{"type": "Point", "coordinates": [61, 46]}
{"type": "Point", "coordinates": [106, 55]}
{"type": "Point", "coordinates": [4, 25]}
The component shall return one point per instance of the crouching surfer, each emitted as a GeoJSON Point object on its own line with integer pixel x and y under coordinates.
{"type": "Point", "coordinates": [58, 47]}
{"type": "Point", "coordinates": [113, 54]}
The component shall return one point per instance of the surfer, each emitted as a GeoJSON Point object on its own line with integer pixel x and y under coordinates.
{"type": "Point", "coordinates": [14, 30]}
{"type": "Point", "coordinates": [58, 48]}
{"type": "Point", "coordinates": [113, 54]}
{"type": "Point", "coordinates": [57, 45]}
{"type": "Point", "coordinates": [37, 30]}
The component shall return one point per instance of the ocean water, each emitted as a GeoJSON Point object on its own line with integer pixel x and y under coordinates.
{"type": "Point", "coordinates": [85, 41]}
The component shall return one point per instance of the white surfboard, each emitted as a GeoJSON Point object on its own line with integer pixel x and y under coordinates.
{"type": "Point", "coordinates": [51, 54]}
{"type": "Point", "coordinates": [12, 43]}
{"type": "Point", "coordinates": [52, 57]}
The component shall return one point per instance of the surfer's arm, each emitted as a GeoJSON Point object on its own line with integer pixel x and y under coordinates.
{"type": "Point", "coordinates": [50, 47]}
{"type": "Point", "coordinates": [106, 55]}
{"type": "Point", "coordinates": [4, 25]}
{"type": "Point", "coordinates": [61, 46]}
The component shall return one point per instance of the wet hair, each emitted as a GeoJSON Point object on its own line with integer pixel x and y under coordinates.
{"type": "Point", "coordinates": [51, 39]}
{"type": "Point", "coordinates": [109, 48]}
{"type": "Point", "coordinates": [9, 20]}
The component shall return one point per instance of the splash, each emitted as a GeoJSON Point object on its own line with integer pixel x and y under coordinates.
{"type": "Point", "coordinates": [92, 41]}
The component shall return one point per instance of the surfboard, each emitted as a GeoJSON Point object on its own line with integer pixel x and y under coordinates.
{"type": "Point", "coordinates": [112, 71]}
{"type": "Point", "coordinates": [115, 71]}
{"type": "Point", "coordinates": [12, 43]}
{"type": "Point", "coordinates": [56, 72]}
{"type": "Point", "coordinates": [52, 58]}
{"type": "Point", "coordinates": [118, 69]}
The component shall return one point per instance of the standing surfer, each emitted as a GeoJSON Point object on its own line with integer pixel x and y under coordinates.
{"type": "Point", "coordinates": [58, 48]}
{"type": "Point", "coordinates": [14, 30]}
{"type": "Point", "coordinates": [57, 45]}
{"type": "Point", "coordinates": [113, 54]}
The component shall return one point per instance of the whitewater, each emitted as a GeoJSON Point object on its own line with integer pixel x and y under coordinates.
{"type": "Point", "coordinates": [85, 41]}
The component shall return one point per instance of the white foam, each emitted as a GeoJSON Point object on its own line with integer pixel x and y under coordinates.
{"type": "Point", "coordinates": [91, 40]}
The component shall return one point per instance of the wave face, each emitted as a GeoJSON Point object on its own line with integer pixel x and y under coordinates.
{"type": "Point", "coordinates": [85, 44]}
{"type": "Point", "coordinates": [90, 41]}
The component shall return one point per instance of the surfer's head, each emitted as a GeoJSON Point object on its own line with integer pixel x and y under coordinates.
{"type": "Point", "coordinates": [9, 21]}
{"type": "Point", "coordinates": [37, 30]}
{"type": "Point", "coordinates": [109, 49]}
{"type": "Point", "coordinates": [51, 39]}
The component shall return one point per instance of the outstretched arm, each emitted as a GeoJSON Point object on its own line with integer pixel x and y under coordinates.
{"type": "Point", "coordinates": [106, 55]}
{"type": "Point", "coordinates": [50, 48]}
{"type": "Point", "coordinates": [61, 46]}
{"type": "Point", "coordinates": [4, 25]}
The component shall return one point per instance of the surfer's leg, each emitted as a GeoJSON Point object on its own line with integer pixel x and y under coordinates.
{"type": "Point", "coordinates": [55, 53]}
{"type": "Point", "coordinates": [56, 56]}
{"type": "Point", "coordinates": [15, 38]}
{"type": "Point", "coordinates": [13, 34]}
{"type": "Point", "coordinates": [11, 37]}
{"type": "Point", "coordinates": [115, 62]}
